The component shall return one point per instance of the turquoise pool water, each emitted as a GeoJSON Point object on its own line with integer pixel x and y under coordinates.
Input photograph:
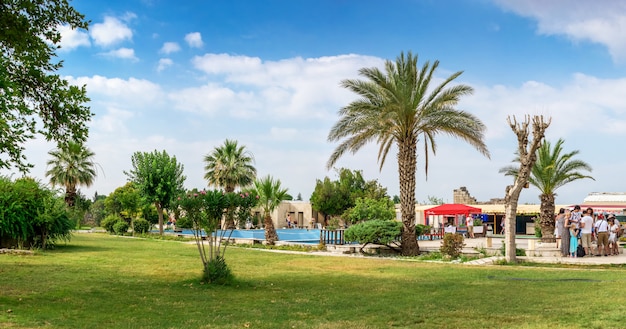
{"type": "Point", "coordinates": [291, 235]}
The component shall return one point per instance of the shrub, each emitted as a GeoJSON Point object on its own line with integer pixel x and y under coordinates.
{"type": "Point", "coordinates": [452, 245]}
{"type": "Point", "coordinates": [141, 226]}
{"type": "Point", "coordinates": [109, 222]}
{"type": "Point", "coordinates": [217, 272]}
{"type": "Point", "coordinates": [421, 229]}
{"type": "Point", "coordinates": [374, 231]}
{"type": "Point", "coordinates": [31, 215]}
{"type": "Point", "coordinates": [121, 227]}
{"type": "Point", "coordinates": [184, 222]}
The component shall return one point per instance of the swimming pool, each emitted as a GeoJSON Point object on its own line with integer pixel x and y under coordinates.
{"type": "Point", "coordinates": [301, 235]}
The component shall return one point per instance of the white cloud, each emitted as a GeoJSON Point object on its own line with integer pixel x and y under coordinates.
{"type": "Point", "coordinates": [164, 63]}
{"type": "Point", "coordinates": [294, 102]}
{"type": "Point", "coordinates": [123, 53]}
{"type": "Point", "coordinates": [601, 21]}
{"type": "Point", "coordinates": [226, 64]}
{"type": "Point", "coordinates": [170, 47]}
{"type": "Point", "coordinates": [112, 31]}
{"type": "Point", "coordinates": [73, 38]}
{"type": "Point", "coordinates": [128, 94]}
{"type": "Point", "coordinates": [286, 88]}
{"type": "Point", "coordinates": [113, 122]}
{"type": "Point", "coordinates": [194, 39]}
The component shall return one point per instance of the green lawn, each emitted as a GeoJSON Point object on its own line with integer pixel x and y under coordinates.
{"type": "Point", "coordinates": [101, 281]}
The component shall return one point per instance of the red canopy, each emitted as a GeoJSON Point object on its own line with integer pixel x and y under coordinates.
{"type": "Point", "coordinates": [452, 209]}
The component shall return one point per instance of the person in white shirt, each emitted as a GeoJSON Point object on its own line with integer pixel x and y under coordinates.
{"type": "Point", "coordinates": [575, 216]}
{"type": "Point", "coordinates": [469, 221]}
{"type": "Point", "coordinates": [586, 228]}
{"type": "Point", "coordinates": [602, 230]}
{"type": "Point", "coordinates": [613, 232]}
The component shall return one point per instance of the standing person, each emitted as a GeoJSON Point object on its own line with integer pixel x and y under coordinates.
{"type": "Point", "coordinates": [586, 228]}
{"type": "Point", "coordinates": [575, 216]}
{"type": "Point", "coordinates": [573, 241]}
{"type": "Point", "coordinates": [502, 226]}
{"type": "Point", "coordinates": [288, 220]}
{"type": "Point", "coordinates": [565, 237]}
{"type": "Point", "coordinates": [613, 231]}
{"type": "Point", "coordinates": [469, 221]}
{"type": "Point", "coordinates": [559, 226]}
{"type": "Point", "coordinates": [602, 227]}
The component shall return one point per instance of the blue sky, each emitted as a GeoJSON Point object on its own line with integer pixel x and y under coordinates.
{"type": "Point", "coordinates": [184, 76]}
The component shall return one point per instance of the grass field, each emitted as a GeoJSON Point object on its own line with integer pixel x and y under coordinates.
{"type": "Point", "coordinates": [102, 281]}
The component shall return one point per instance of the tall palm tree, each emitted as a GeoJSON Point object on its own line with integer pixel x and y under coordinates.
{"type": "Point", "coordinates": [229, 166]}
{"type": "Point", "coordinates": [71, 165]}
{"type": "Point", "coordinates": [399, 107]}
{"type": "Point", "coordinates": [271, 194]}
{"type": "Point", "coordinates": [552, 170]}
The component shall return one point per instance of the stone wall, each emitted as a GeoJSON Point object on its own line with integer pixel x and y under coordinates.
{"type": "Point", "coordinates": [462, 195]}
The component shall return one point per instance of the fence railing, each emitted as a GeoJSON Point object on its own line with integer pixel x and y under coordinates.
{"type": "Point", "coordinates": [332, 236]}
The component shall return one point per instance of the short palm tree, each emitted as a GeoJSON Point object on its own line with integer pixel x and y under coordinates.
{"type": "Point", "coordinates": [229, 166]}
{"type": "Point", "coordinates": [71, 166]}
{"type": "Point", "coordinates": [552, 170]}
{"type": "Point", "coordinates": [398, 108]}
{"type": "Point", "coordinates": [271, 194]}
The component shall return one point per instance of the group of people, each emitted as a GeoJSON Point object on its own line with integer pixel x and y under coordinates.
{"type": "Point", "coordinates": [575, 227]}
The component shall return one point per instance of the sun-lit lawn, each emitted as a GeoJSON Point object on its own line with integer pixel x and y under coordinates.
{"type": "Point", "coordinates": [101, 281]}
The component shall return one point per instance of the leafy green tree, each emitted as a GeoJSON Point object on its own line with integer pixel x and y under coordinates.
{"type": "Point", "coordinates": [229, 166]}
{"type": "Point", "coordinates": [126, 201]}
{"type": "Point", "coordinates": [335, 198]}
{"type": "Point", "coordinates": [271, 194]}
{"type": "Point", "coordinates": [384, 232]}
{"type": "Point", "coordinates": [398, 107]}
{"type": "Point", "coordinates": [71, 165]}
{"type": "Point", "coordinates": [35, 99]}
{"type": "Point", "coordinates": [552, 170]}
{"type": "Point", "coordinates": [31, 215]}
{"type": "Point", "coordinates": [433, 200]}
{"type": "Point", "coordinates": [203, 213]}
{"type": "Point", "coordinates": [80, 211]}
{"type": "Point", "coordinates": [396, 199]}
{"type": "Point", "coordinates": [97, 211]}
{"type": "Point", "coordinates": [329, 199]}
{"type": "Point", "coordinates": [370, 209]}
{"type": "Point", "coordinates": [158, 177]}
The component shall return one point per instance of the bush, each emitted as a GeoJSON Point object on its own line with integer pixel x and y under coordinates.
{"type": "Point", "coordinates": [421, 229]}
{"type": "Point", "coordinates": [184, 222]}
{"type": "Point", "coordinates": [452, 245]}
{"type": "Point", "coordinates": [31, 215]}
{"type": "Point", "coordinates": [374, 231]}
{"type": "Point", "coordinates": [141, 226]}
{"type": "Point", "coordinates": [121, 227]}
{"type": "Point", "coordinates": [217, 272]}
{"type": "Point", "coordinates": [110, 221]}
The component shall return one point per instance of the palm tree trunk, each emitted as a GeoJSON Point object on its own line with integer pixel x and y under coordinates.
{"type": "Point", "coordinates": [407, 159]}
{"type": "Point", "coordinates": [270, 231]}
{"type": "Point", "coordinates": [546, 217]}
{"type": "Point", "coordinates": [229, 222]}
{"type": "Point", "coordinates": [70, 195]}
{"type": "Point", "coordinates": [160, 213]}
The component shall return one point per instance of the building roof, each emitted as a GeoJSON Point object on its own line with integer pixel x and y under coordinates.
{"type": "Point", "coordinates": [606, 197]}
